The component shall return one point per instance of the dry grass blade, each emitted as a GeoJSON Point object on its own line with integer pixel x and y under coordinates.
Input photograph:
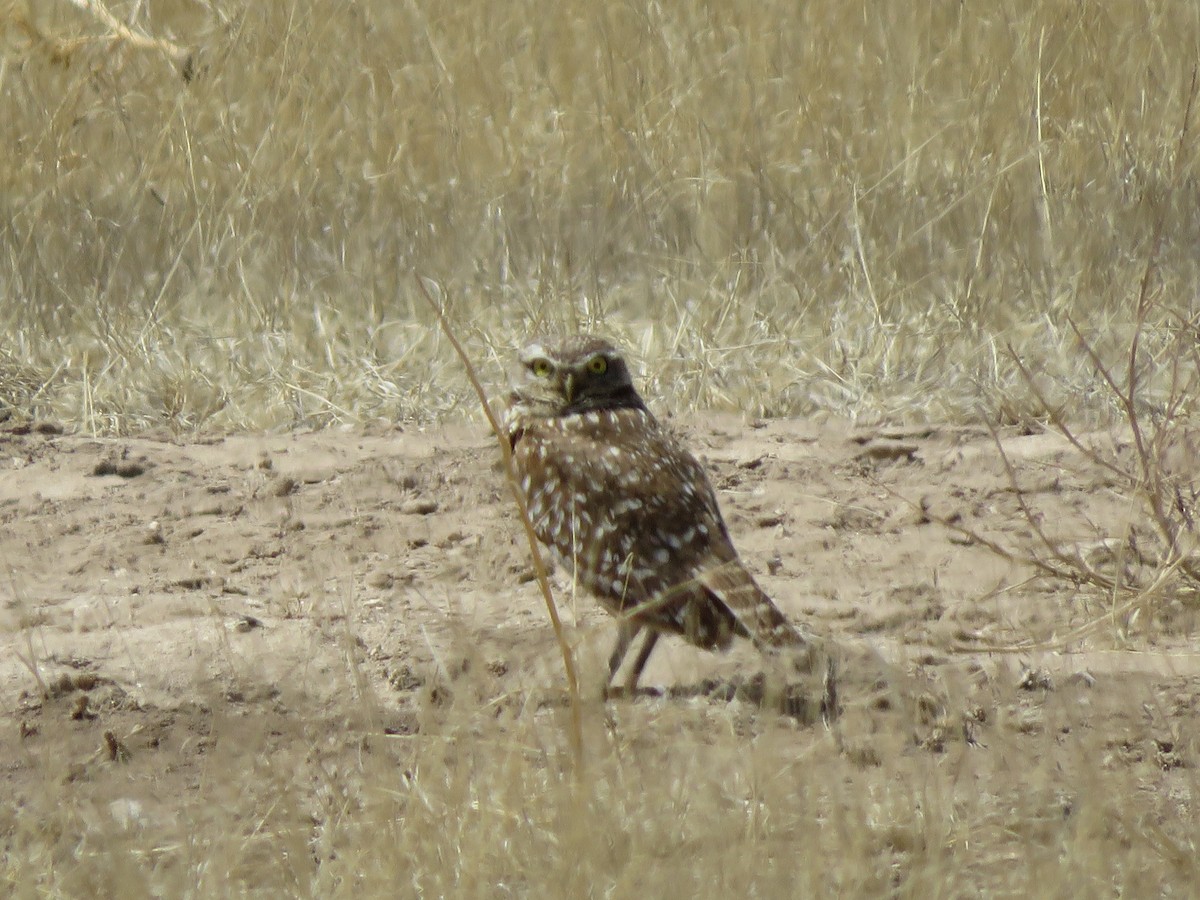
{"type": "Point", "coordinates": [514, 484]}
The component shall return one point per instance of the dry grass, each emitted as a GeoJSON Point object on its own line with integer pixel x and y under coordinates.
{"type": "Point", "coordinates": [485, 800]}
{"type": "Point", "coordinates": [782, 211]}
{"type": "Point", "coordinates": [1144, 570]}
{"type": "Point", "coordinates": [782, 208]}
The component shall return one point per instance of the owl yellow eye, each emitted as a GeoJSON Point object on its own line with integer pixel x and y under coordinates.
{"type": "Point", "coordinates": [540, 368]}
{"type": "Point", "coordinates": [597, 365]}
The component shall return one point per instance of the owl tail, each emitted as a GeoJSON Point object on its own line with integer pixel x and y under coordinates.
{"type": "Point", "coordinates": [773, 634]}
{"type": "Point", "coordinates": [736, 588]}
{"type": "Point", "coordinates": [766, 626]}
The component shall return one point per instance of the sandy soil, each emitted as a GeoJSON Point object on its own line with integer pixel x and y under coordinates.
{"type": "Point", "coordinates": [159, 590]}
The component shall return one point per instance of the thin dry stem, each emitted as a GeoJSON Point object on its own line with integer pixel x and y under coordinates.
{"type": "Point", "coordinates": [1034, 522]}
{"type": "Point", "coordinates": [514, 485]}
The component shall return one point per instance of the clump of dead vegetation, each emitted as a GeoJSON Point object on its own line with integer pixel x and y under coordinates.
{"type": "Point", "coordinates": [1147, 569]}
{"type": "Point", "coordinates": [18, 18]}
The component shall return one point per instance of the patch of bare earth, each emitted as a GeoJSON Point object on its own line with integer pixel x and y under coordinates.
{"type": "Point", "coordinates": [229, 622]}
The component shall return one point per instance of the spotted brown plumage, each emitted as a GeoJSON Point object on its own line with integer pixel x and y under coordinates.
{"type": "Point", "coordinates": [619, 501]}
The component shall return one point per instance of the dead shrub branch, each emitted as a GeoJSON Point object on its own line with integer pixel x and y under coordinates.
{"type": "Point", "coordinates": [1151, 459]}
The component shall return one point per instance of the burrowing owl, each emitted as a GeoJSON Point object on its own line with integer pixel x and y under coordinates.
{"type": "Point", "coordinates": [618, 500]}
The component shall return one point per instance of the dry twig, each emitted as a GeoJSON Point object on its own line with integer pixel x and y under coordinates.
{"type": "Point", "coordinates": [514, 484]}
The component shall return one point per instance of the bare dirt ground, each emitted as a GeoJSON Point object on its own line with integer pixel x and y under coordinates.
{"type": "Point", "coordinates": [170, 604]}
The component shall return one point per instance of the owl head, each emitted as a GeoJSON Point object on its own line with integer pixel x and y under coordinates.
{"type": "Point", "coordinates": [560, 376]}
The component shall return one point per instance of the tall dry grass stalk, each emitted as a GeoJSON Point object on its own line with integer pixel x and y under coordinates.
{"type": "Point", "coordinates": [535, 552]}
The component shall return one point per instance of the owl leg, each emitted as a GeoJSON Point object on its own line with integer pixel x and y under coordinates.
{"type": "Point", "coordinates": [627, 630]}
{"type": "Point", "coordinates": [639, 661]}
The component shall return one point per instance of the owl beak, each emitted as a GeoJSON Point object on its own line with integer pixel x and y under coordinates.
{"type": "Point", "coordinates": [568, 387]}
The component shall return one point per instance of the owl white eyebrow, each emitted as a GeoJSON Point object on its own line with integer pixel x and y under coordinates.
{"type": "Point", "coordinates": [533, 351]}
